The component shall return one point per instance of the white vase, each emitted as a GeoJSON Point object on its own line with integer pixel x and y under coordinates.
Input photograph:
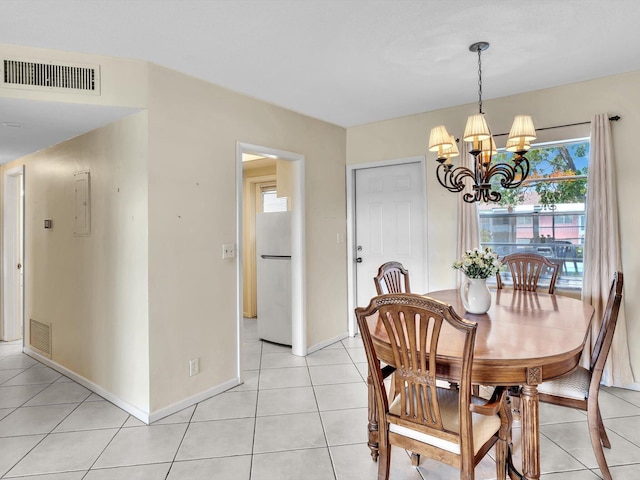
{"type": "Point", "coordinates": [475, 295]}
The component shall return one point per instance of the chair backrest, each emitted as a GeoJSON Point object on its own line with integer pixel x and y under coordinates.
{"type": "Point", "coordinates": [412, 323]}
{"type": "Point", "coordinates": [603, 342]}
{"type": "Point", "coordinates": [392, 277]}
{"type": "Point", "coordinates": [526, 270]}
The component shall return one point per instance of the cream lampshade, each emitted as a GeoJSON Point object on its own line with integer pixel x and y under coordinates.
{"type": "Point", "coordinates": [440, 140]}
{"type": "Point", "coordinates": [476, 130]}
{"type": "Point", "coordinates": [451, 151]}
{"type": "Point", "coordinates": [488, 149]}
{"type": "Point", "coordinates": [522, 133]}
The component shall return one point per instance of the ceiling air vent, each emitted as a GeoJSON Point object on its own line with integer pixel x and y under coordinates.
{"type": "Point", "coordinates": [48, 76]}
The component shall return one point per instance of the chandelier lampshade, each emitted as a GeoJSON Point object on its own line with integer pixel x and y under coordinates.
{"type": "Point", "coordinates": [452, 151]}
{"type": "Point", "coordinates": [522, 132]}
{"type": "Point", "coordinates": [517, 145]}
{"type": "Point", "coordinates": [488, 149]}
{"type": "Point", "coordinates": [476, 130]}
{"type": "Point", "coordinates": [439, 140]}
{"type": "Point", "coordinates": [483, 149]}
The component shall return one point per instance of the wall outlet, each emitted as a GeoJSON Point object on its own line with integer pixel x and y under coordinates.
{"type": "Point", "coordinates": [194, 367]}
{"type": "Point", "coordinates": [228, 250]}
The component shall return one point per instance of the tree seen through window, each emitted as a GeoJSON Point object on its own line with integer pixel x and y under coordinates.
{"type": "Point", "coordinates": [545, 215]}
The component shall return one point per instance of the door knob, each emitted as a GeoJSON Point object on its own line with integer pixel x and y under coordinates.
{"type": "Point", "coordinates": [359, 260]}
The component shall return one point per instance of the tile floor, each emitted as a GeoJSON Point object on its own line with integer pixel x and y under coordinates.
{"type": "Point", "coordinates": [293, 418]}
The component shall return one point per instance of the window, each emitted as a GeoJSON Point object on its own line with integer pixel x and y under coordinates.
{"type": "Point", "coordinates": [546, 215]}
{"type": "Point", "coordinates": [272, 203]}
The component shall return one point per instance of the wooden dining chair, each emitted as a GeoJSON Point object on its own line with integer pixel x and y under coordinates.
{"type": "Point", "coordinates": [580, 388]}
{"type": "Point", "coordinates": [526, 270]}
{"type": "Point", "coordinates": [447, 425]}
{"type": "Point", "coordinates": [392, 277]}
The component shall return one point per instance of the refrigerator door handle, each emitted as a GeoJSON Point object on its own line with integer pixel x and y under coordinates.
{"type": "Point", "coordinates": [276, 257]}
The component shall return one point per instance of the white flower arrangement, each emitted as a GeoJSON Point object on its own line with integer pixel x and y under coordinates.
{"type": "Point", "coordinates": [478, 263]}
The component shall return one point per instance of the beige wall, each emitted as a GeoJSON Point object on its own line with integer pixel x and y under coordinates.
{"type": "Point", "coordinates": [148, 290]}
{"type": "Point", "coordinates": [408, 136]}
{"type": "Point", "coordinates": [193, 130]}
{"type": "Point", "coordinates": [92, 289]}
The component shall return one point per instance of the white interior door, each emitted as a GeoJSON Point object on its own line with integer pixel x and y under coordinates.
{"type": "Point", "coordinates": [13, 285]}
{"type": "Point", "coordinates": [390, 220]}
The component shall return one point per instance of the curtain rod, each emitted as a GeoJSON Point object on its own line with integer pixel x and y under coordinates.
{"type": "Point", "coordinates": [615, 118]}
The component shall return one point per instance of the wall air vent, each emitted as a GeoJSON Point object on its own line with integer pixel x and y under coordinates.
{"type": "Point", "coordinates": [40, 337]}
{"type": "Point", "coordinates": [51, 77]}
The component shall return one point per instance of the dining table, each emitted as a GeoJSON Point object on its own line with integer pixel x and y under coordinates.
{"type": "Point", "coordinates": [524, 339]}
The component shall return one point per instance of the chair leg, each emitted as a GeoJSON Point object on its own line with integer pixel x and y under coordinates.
{"type": "Point", "coordinates": [501, 459]}
{"type": "Point", "coordinates": [593, 415]}
{"type": "Point", "coordinates": [504, 465]}
{"type": "Point", "coordinates": [603, 432]}
{"type": "Point", "coordinates": [384, 458]}
{"type": "Point", "coordinates": [467, 470]}
{"type": "Point", "coordinates": [415, 459]}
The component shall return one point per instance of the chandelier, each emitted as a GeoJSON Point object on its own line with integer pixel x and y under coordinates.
{"type": "Point", "coordinates": [482, 148]}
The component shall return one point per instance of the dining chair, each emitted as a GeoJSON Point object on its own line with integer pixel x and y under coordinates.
{"type": "Point", "coordinates": [448, 425]}
{"type": "Point", "coordinates": [580, 388]}
{"type": "Point", "coordinates": [392, 277]}
{"type": "Point", "coordinates": [526, 270]}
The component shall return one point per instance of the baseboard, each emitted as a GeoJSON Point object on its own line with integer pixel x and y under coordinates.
{"type": "Point", "coordinates": [97, 389]}
{"type": "Point", "coordinates": [187, 402]}
{"type": "Point", "coordinates": [141, 415]}
{"type": "Point", "coordinates": [633, 386]}
{"type": "Point", "coordinates": [326, 343]}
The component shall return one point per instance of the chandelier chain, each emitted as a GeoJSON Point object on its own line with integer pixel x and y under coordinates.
{"type": "Point", "coordinates": [479, 81]}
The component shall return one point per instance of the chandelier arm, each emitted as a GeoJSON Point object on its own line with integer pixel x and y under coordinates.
{"type": "Point", "coordinates": [522, 163]}
{"type": "Point", "coordinates": [512, 175]}
{"type": "Point", "coordinates": [452, 178]}
{"type": "Point", "coordinates": [469, 198]}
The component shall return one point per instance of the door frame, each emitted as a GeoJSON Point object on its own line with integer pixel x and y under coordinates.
{"type": "Point", "coordinates": [12, 235]}
{"type": "Point", "coordinates": [298, 264]}
{"type": "Point", "coordinates": [351, 227]}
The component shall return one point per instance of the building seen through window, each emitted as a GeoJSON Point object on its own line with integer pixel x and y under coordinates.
{"type": "Point", "coordinates": [546, 215]}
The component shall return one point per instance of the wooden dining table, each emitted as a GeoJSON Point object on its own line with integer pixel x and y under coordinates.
{"type": "Point", "coordinates": [523, 340]}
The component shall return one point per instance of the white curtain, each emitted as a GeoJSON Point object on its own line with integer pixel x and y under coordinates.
{"type": "Point", "coordinates": [468, 231]}
{"type": "Point", "coordinates": [602, 249]}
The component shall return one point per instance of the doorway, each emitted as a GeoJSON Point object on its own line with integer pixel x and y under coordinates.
{"type": "Point", "coordinates": [13, 253]}
{"type": "Point", "coordinates": [298, 273]}
{"type": "Point", "coordinates": [386, 214]}
{"type": "Point", "coordinates": [255, 182]}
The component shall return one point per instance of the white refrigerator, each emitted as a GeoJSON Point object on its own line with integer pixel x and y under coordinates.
{"type": "Point", "coordinates": [273, 282]}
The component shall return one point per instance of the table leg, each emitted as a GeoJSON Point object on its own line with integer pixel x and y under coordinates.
{"type": "Point", "coordinates": [530, 432]}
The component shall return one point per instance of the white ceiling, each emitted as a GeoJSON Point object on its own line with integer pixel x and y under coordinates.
{"type": "Point", "coordinates": [348, 62]}
{"type": "Point", "coordinates": [36, 125]}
